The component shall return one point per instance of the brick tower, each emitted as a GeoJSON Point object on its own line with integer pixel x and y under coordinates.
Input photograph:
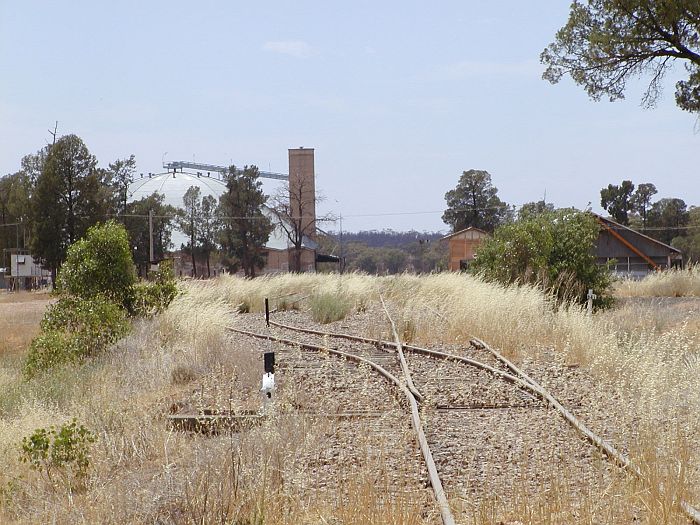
{"type": "Point", "coordinates": [302, 189]}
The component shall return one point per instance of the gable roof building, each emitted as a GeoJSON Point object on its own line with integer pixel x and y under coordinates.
{"type": "Point", "coordinates": [634, 253]}
{"type": "Point", "coordinates": [463, 245]}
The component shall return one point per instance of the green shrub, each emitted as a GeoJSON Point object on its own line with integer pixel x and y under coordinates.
{"type": "Point", "coordinates": [63, 452]}
{"type": "Point", "coordinates": [100, 264]}
{"type": "Point", "coordinates": [154, 296]}
{"type": "Point", "coordinates": [329, 307]}
{"type": "Point", "coordinates": [552, 249]}
{"type": "Point", "coordinates": [73, 329]}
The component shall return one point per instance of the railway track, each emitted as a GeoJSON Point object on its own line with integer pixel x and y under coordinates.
{"type": "Point", "coordinates": [447, 393]}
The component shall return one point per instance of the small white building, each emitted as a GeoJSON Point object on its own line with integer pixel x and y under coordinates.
{"type": "Point", "coordinates": [24, 273]}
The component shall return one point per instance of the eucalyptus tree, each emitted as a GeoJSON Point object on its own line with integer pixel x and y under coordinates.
{"type": "Point", "coordinates": [607, 43]}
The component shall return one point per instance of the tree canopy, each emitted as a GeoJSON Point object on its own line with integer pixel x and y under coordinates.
{"type": "Point", "coordinates": [605, 43]}
{"type": "Point", "coordinates": [15, 191]}
{"type": "Point", "coordinates": [68, 198]}
{"type": "Point", "coordinates": [136, 225]}
{"type": "Point", "coordinates": [120, 175]}
{"type": "Point", "coordinates": [244, 228]}
{"type": "Point", "coordinates": [689, 244]}
{"type": "Point", "coordinates": [474, 202]}
{"type": "Point", "coordinates": [617, 200]}
{"type": "Point", "coordinates": [670, 216]}
{"type": "Point", "coordinates": [641, 200]}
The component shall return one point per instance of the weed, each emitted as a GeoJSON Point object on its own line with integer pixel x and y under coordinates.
{"type": "Point", "coordinates": [62, 452]}
{"type": "Point", "coordinates": [151, 298]}
{"type": "Point", "coordinates": [329, 307]}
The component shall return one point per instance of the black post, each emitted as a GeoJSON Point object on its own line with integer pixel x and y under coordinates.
{"type": "Point", "coordinates": [267, 312]}
{"type": "Point", "coordinates": [269, 362]}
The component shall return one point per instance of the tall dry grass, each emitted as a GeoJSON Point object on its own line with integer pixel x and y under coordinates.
{"type": "Point", "coordinates": [647, 366]}
{"type": "Point", "coordinates": [141, 472]}
{"type": "Point", "coordinates": [670, 283]}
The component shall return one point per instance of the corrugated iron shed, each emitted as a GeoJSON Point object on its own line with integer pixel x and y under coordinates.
{"type": "Point", "coordinates": [635, 253]}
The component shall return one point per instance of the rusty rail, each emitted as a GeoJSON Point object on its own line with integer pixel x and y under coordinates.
{"type": "Point", "coordinates": [402, 358]}
{"type": "Point", "coordinates": [522, 380]}
{"type": "Point", "coordinates": [441, 498]}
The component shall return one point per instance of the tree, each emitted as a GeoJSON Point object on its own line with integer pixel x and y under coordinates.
{"type": "Point", "coordinates": [209, 229]}
{"type": "Point", "coordinates": [670, 216]}
{"type": "Point", "coordinates": [605, 43]}
{"type": "Point", "coordinates": [474, 203]}
{"type": "Point", "coordinates": [136, 224]}
{"type": "Point", "coordinates": [394, 260]}
{"type": "Point", "coordinates": [68, 198]}
{"type": "Point", "coordinates": [244, 228]}
{"type": "Point", "coordinates": [120, 175]}
{"type": "Point", "coordinates": [188, 221]}
{"type": "Point", "coordinates": [690, 244]}
{"type": "Point", "coordinates": [367, 261]}
{"type": "Point", "coordinates": [641, 200]}
{"type": "Point", "coordinates": [617, 200]}
{"type": "Point", "coordinates": [554, 250]}
{"type": "Point", "coordinates": [33, 164]}
{"type": "Point", "coordinates": [530, 209]}
{"type": "Point", "coordinates": [15, 201]}
{"type": "Point", "coordinates": [296, 216]}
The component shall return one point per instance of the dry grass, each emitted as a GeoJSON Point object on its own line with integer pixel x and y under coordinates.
{"type": "Point", "coordinates": [143, 473]}
{"type": "Point", "coordinates": [20, 315]}
{"type": "Point", "coordinates": [645, 358]}
{"type": "Point", "coordinates": [23, 297]}
{"type": "Point", "coordinates": [672, 283]}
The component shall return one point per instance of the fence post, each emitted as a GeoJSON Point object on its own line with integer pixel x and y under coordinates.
{"type": "Point", "coordinates": [590, 298]}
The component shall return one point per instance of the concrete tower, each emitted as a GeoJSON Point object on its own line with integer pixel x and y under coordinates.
{"type": "Point", "coordinates": [302, 189]}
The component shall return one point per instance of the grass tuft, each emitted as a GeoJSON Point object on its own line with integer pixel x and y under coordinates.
{"type": "Point", "coordinates": [329, 307]}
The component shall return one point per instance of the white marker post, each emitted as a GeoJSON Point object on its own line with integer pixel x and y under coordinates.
{"type": "Point", "coordinates": [590, 298]}
{"type": "Point", "coordinates": [268, 378]}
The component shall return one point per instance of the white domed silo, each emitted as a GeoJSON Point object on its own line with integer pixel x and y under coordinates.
{"type": "Point", "coordinates": [174, 183]}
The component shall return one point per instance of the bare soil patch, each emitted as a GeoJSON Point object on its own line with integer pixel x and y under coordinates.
{"type": "Point", "coordinates": [20, 315]}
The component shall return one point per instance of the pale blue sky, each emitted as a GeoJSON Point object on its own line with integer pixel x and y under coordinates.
{"type": "Point", "coordinates": [398, 98]}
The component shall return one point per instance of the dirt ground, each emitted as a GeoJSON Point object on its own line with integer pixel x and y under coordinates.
{"type": "Point", "coordinates": [20, 315]}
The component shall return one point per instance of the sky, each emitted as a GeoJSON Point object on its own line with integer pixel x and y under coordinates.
{"type": "Point", "coordinates": [397, 98]}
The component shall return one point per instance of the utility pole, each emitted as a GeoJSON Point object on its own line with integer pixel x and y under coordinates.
{"type": "Point", "coordinates": [17, 256]}
{"type": "Point", "coordinates": [342, 257]}
{"type": "Point", "coordinates": [151, 257]}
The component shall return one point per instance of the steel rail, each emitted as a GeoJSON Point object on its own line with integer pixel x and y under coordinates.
{"type": "Point", "coordinates": [525, 382]}
{"type": "Point", "coordinates": [440, 495]}
{"type": "Point", "coordinates": [402, 359]}
{"type": "Point", "coordinates": [690, 511]}
{"type": "Point", "coordinates": [416, 350]}
{"type": "Point", "coordinates": [441, 498]}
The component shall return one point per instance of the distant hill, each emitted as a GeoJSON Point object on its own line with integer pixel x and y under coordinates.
{"type": "Point", "coordinates": [388, 251]}
{"type": "Point", "coordinates": [387, 238]}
